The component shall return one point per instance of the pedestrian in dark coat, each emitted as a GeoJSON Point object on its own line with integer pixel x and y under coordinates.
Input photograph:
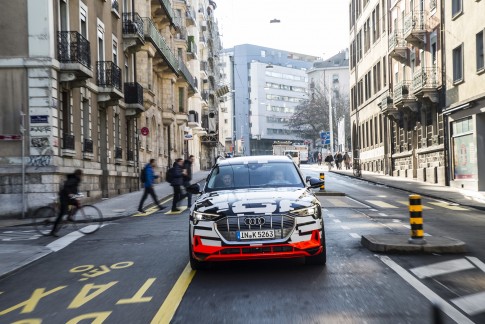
{"type": "Point", "coordinates": [150, 177]}
{"type": "Point", "coordinates": [177, 182]}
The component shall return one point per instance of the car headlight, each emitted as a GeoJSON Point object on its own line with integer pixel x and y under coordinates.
{"type": "Point", "coordinates": [198, 216]}
{"type": "Point", "coordinates": [309, 211]}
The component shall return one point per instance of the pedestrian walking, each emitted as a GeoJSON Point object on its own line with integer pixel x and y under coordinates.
{"type": "Point", "coordinates": [69, 188]}
{"type": "Point", "coordinates": [177, 181]}
{"type": "Point", "coordinates": [347, 160]}
{"type": "Point", "coordinates": [329, 160]}
{"type": "Point", "coordinates": [188, 177]}
{"type": "Point", "coordinates": [338, 160]}
{"type": "Point", "coordinates": [149, 176]}
{"type": "Point", "coordinates": [319, 158]}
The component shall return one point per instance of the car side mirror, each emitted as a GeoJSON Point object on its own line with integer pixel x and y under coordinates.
{"type": "Point", "coordinates": [307, 178]}
{"type": "Point", "coordinates": [315, 182]}
{"type": "Point", "coordinates": [194, 189]}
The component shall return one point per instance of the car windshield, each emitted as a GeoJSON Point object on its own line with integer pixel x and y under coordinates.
{"type": "Point", "coordinates": [254, 175]}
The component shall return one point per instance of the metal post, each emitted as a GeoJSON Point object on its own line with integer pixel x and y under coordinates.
{"type": "Point", "coordinates": [416, 220]}
{"type": "Point", "coordinates": [322, 178]}
{"type": "Point", "coordinates": [22, 132]}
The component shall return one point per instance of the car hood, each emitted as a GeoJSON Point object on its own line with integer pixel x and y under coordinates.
{"type": "Point", "coordinates": [254, 201]}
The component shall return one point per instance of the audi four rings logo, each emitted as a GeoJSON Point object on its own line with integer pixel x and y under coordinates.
{"type": "Point", "coordinates": [254, 221]}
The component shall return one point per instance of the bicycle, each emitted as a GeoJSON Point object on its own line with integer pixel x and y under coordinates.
{"type": "Point", "coordinates": [87, 219]}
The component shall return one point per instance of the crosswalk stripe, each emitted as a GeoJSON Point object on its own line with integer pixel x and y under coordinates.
{"type": "Point", "coordinates": [381, 204]}
{"type": "Point", "coordinates": [355, 235]}
{"type": "Point", "coordinates": [446, 205]}
{"type": "Point", "coordinates": [406, 203]}
{"type": "Point", "coordinates": [441, 268]}
{"type": "Point", "coordinates": [337, 202]}
{"type": "Point", "coordinates": [471, 304]}
{"type": "Point", "coordinates": [479, 264]}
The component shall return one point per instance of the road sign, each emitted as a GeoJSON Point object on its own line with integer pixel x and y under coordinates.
{"type": "Point", "coordinates": [324, 134]}
{"type": "Point", "coordinates": [144, 131]}
{"type": "Point", "coordinates": [188, 137]}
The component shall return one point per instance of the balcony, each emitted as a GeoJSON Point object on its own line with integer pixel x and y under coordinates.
{"type": "Point", "coordinates": [133, 35]}
{"type": "Point", "coordinates": [151, 32]}
{"type": "Point", "coordinates": [188, 77]}
{"type": "Point", "coordinates": [397, 46]}
{"type": "Point", "coordinates": [190, 17]}
{"type": "Point", "coordinates": [133, 98]}
{"type": "Point", "coordinates": [191, 48]}
{"type": "Point", "coordinates": [168, 115]}
{"type": "Point", "coordinates": [181, 118]}
{"type": "Point", "coordinates": [403, 96]}
{"type": "Point", "coordinates": [165, 12]}
{"type": "Point", "coordinates": [115, 7]}
{"type": "Point", "coordinates": [415, 28]}
{"type": "Point", "coordinates": [74, 55]}
{"type": "Point", "coordinates": [108, 79]}
{"type": "Point", "coordinates": [181, 34]}
{"type": "Point", "coordinates": [425, 84]}
{"type": "Point", "coordinates": [387, 107]}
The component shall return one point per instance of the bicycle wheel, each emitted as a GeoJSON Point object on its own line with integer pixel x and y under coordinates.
{"type": "Point", "coordinates": [43, 219]}
{"type": "Point", "coordinates": [88, 219]}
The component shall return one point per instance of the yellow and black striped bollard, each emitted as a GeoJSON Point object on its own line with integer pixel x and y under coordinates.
{"type": "Point", "coordinates": [416, 220]}
{"type": "Point", "coordinates": [322, 178]}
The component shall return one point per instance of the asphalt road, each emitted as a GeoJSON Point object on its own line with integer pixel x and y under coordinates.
{"type": "Point", "coordinates": [134, 270]}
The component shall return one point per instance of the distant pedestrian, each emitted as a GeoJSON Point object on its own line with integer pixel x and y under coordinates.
{"type": "Point", "coordinates": [347, 160]}
{"type": "Point", "coordinates": [188, 177]}
{"type": "Point", "coordinates": [319, 158]}
{"type": "Point", "coordinates": [177, 181]}
{"type": "Point", "coordinates": [149, 177]}
{"type": "Point", "coordinates": [329, 160]}
{"type": "Point", "coordinates": [338, 160]}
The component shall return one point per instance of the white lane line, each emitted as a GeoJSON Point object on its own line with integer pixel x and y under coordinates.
{"type": "Point", "coordinates": [330, 215]}
{"type": "Point", "coordinates": [479, 264]}
{"type": "Point", "coordinates": [345, 227]}
{"type": "Point", "coordinates": [337, 221]}
{"type": "Point", "coordinates": [325, 209]}
{"type": "Point", "coordinates": [355, 235]}
{"type": "Point", "coordinates": [472, 304]}
{"type": "Point", "coordinates": [449, 310]}
{"type": "Point", "coordinates": [396, 221]}
{"type": "Point", "coordinates": [373, 209]}
{"type": "Point", "coordinates": [381, 204]}
{"type": "Point", "coordinates": [441, 268]}
{"type": "Point", "coordinates": [407, 226]}
{"type": "Point", "coordinates": [64, 241]}
{"type": "Point", "coordinates": [382, 214]}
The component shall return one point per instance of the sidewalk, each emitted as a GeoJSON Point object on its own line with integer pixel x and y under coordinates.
{"type": "Point", "coordinates": [16, 255]}
{"type": "Point", "coordinates": [453, 195]}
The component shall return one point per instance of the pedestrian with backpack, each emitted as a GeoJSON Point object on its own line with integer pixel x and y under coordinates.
{"type": "Point", "coordinates": [148, 176]}
{"type": "Point", "coordinates": [188, 177]}
{"type": "Point", "coordinates": [177, 180]}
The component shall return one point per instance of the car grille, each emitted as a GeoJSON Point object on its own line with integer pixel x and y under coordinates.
{"type": "Point", "coordinates": [281, 224]}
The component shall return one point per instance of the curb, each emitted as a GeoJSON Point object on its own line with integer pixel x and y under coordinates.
{"type": "Point", "coordinates": [398, 243]}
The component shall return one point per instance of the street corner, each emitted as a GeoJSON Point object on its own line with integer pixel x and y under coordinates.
{"type": "Point", "coordinates": [398, 243]}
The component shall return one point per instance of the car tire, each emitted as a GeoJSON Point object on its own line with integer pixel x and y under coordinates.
{"type": "Point", "coordinates": [194, 263]}
{"type": "Point", "coordinates": [319, 259]}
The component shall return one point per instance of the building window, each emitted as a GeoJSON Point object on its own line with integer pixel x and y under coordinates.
{"type": "Point", "coordinates": [115, 51]}
{"type": "Point", "coordinates": [458, 64]}
{"type": "Point", "coordinates": [479, 45]}
{"type": "Point", "coordinates": [465, 165]}
{"type": "Point", "coordinates": [456, 7]}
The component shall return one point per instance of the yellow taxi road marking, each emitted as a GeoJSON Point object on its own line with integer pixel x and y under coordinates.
{"type": "Point", "coordinates": [404, 202]}
{"type": "Point", "coordinates": [30, 304]}
{"type": "Point", "coordinates": [151, 210]}
{"type": "Point", "coordinates": [97, 318]}
{"type": "Point", "coordinates": [138, 296]}
{"type": "Point", "coordinates": [447, 205]}
{"type": "Point", "coordinates": [182, 209]}
{"type": "Point", "coordinates": [381, 204]}
{"type": "Point", "coordinates": [171, 303]}
{"type": "Point", "coordinates": [84, 295]}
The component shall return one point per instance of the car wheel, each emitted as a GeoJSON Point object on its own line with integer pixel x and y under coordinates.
{"type": "Point", "coordinates": [320, 259]}
{"type": "Point", "coordinates": [194, 263]}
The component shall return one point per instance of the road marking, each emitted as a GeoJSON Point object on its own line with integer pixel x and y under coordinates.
{"type": "Point", "coordinates": [449, 310]}
{"type": "Point", "coordinates": [337, 221]}
{"type": "Point", "coordinates": [345, 227]}
{"type": "Point", "coordinates": [396, 221]}
{"type": "Point", "coordinates": [441, 268]}
{"type": "Point", "coordinates": [479, 264]}
{"type": "Point", "coordinates": [174, 297]}
{"type": "Point", "coordinates": [447, 205]}
{"type": "Point", "coordinates": [337, 202]}
{"type": "Point", "coordinates": [64, 241]}
{"type": "Point", "coordinates": [330, 215]}
{"type": "Point", "coordinates": [472, 304]}
{"type": "Point", "coordinates": [355, 235]}
{"type": "Point", "coordinates": [382, 214]}
{"type": "Point", "coordinates": [406, 203]}
{"type": "Point", "coordinates": [381, 204]}
{"type": "Point", "coordinates": [182, 209]}
{"type": "Point", "coordinates": [325, 209]}
{"type": "Point", "coordinates": [151, 210]}
{"type": "Point", "coordinates": [373, 209]}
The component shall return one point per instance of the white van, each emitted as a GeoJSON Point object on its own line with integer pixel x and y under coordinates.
{"type": "Point", "coordinates": [294, 155]}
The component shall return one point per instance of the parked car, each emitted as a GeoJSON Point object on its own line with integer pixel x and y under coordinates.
{"type": "Point", "coordinates": [257, 207]}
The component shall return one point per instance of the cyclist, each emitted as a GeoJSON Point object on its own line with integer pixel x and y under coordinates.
{"type": "Point", "coordinates": [68, 191]}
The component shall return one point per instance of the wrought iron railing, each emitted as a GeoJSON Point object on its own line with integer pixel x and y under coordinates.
{"type": "Point", "coordinates": [72, 47]}
{"type": "Point", "coordinates": [168, 8]}
{"type": "Point", "coordinates": [401, 91]}
{"type": "Point", "coordinates": [133, 93]}
{"type": "Point", "coordinates": [118, 153]}
{"type": "Point", "coordinates": [115, 5]}
{"type": "Point", "coordinates": [133, 24]}
{"type": "Point", "coordinates": [414, 20]}
{"type": "Point", "coordinates": [88, 145]}
{"type": "Point", "coordinates": [130, 155]}
{"type": "Point", "coordinates": [190, 15]}
{"type": "Point", "coordinates": [396, 39]}
{"type": "Point", "coordinates": [108, 75]}
{"type": "Point", "coordinates": [425, 78]}
{"type": "Point", "coordinates": [152, 33]}
{"type": "Point", "coordinates": [187, 75]}
{"type": "Point", "coordinates": [68, 141]}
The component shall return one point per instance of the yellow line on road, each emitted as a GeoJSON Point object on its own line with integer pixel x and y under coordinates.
{"type": "Point", "coordinates": [381, 204]}
{"type": "Point", "coordinates": [150, 210]}
{"type": "Point", "coordinates": [405, 202]}
{"type": "Point", "coordinates": [171, 303]}
{"type": "Point", "coordinates": [170, 212]}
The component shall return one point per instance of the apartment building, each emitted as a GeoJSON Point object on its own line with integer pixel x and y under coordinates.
{"type": "Point", "coordinates": [99, 85]}
{"type": "Point", "coordinates": [369, 83]}
{"type": "Point", "coordinates": [267, 86]}
{"type": "Point", "coordinates": [465, 92]}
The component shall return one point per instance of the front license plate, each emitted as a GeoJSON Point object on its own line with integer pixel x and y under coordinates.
{"type": "Point", "coordinates": [251, 235]}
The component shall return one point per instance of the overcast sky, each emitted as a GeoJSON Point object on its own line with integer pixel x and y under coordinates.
{"type": "Point", "coordinates": [314, 27]}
